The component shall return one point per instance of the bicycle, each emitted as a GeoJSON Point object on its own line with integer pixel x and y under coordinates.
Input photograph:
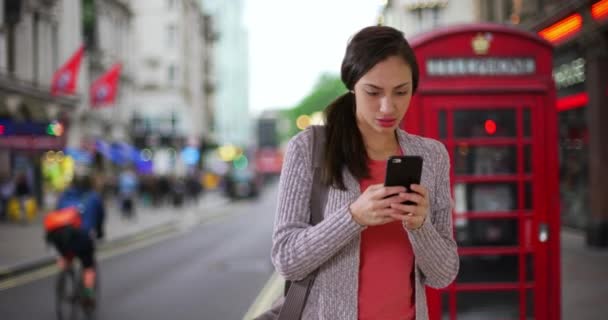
{"type": "Point", "coordinates": [71, 303]}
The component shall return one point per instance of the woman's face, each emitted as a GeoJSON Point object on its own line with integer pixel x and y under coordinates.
{"type": "Point", "coordinates": [383, 95]}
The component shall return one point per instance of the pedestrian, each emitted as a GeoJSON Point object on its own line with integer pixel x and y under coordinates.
{"type": "Point", "coordinates": [127, 192]}
{"type": "Point", "coordinates": [23, 192]}
{"type": "Point", "coordinates": [6, 192]}
{"type": "Point", "coordinates": [374, 255]}
{"type": "Point", "coordinates": [164, 189]}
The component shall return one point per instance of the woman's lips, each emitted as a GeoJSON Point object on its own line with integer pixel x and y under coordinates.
{"type": "Point", "coordinates": [386, 122]}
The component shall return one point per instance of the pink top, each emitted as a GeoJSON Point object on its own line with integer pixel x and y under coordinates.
{"type": "Point", "coordinates": [386, 267]}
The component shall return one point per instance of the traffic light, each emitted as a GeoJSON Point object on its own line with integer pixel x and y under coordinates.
{"type": "Point", "coordinates": [54, 128]}
{"type": "Point", "coordinates": [1, 129]}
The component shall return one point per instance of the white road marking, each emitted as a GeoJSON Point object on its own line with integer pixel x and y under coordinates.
{"type": "Point", "coordinates": [271, 291]}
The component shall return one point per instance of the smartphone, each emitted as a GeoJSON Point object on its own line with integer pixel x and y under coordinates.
{"type": "Point", "coordinates": [403, 171]}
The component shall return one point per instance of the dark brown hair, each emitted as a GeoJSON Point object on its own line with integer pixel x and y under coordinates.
{"type": "Point", "coordinates": [345, 145]}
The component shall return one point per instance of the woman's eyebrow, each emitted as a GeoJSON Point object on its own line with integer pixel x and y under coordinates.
{"type": "Point", "coordinates": [377, 87]}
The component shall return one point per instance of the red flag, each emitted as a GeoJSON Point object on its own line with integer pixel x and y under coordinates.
{"type": "Point", "coordinates": [103, 90]}
{"type": "Point", "coordinates": [65, 78]}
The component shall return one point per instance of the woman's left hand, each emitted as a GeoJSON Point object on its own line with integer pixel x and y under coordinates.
{"type": "Point", "coordinates": [413, 215]}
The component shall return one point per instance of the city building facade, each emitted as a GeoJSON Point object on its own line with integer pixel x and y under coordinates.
{"type": "Point", "coordinates": [108, 38]}
{"type": "Point", "coordinates": [36, 37]}
{"type": "Point", "coordinates": [417, 16]}
{"type": "Point", "coordinates": [172, 107]}
{"type": "Point", "coordinates": [232, 120]}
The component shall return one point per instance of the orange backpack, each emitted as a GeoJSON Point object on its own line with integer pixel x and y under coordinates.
{"type": "Point", "coordinates": [69, 216]}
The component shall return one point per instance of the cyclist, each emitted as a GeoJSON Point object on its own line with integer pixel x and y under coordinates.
{"type": "Point", "coordinates": [73, 226]}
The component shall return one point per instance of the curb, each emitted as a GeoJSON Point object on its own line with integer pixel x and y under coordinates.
{"type": "Point", "coordinates": [23, 267]}
{"type": "Point", "coordinates": [272, 290]}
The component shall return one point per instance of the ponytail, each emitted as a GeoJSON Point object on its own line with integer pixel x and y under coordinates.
{"type": "Point", "coordinates": [344, 145]}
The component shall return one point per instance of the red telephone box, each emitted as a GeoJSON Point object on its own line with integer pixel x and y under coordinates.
{"type": "Point", "coordinates": [486, 91]}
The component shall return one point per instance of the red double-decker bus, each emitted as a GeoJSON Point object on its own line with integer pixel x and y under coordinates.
{"type": "Point", "coordinates": [268, 155]}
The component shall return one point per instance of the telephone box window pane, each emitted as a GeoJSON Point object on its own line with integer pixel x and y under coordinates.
{"type": "Point", "coordinates": [443, 124]}
{"type": "Point", "coordinates": [530, 305]}
{"type": "Point", "coordinates": [486, 232]}
{"type": "Point", "coordinates": [485, 197]}
{"type": "Point", "coordinates": [484, 123]}
{"type": "Point", "coordinates": [529, 268]}
{"type": "Point", "coordinates": [445, 306]}
{"type": "Point", "coordinates": [487, 305]}
{"type": "Point", "coordinates": [527, 158]}
{"type": "Point", "coordinates": [484, 160]}
{"type": "Point", "coordinates": [526, 122]}
{"type": "Point", "coordinates": [488, 269]}
{"type": "Point", "coordinates": [528, 196]}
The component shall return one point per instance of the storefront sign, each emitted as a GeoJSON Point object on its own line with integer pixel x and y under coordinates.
{"type": "Point", "coordinates": [485, 66]}
{"type": "Point", "coordinates": [32, 143]}
{"type": "Point", "coordinates": [570, 73]}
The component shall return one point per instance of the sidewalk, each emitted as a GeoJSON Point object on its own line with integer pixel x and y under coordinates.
{"type": "Point", "coordinates": [23, 247]}
{"type": "Point", "coordinates": [584, 278]}
{"type": "Point", "coordinates": [584, 281]}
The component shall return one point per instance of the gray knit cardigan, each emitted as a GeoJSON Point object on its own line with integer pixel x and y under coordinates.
{"type": "Point", "coordinates": [333, 245]}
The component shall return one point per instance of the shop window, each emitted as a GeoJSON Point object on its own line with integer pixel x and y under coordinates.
{"type": "Point", "coordinates": [574, 167]}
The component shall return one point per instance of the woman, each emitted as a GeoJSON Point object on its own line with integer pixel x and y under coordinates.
{"type": "Point", "coordinates": [374, 254]}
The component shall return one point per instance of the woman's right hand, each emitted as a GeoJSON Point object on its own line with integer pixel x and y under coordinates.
{"type": "Point", "coordinates": [373, 207]}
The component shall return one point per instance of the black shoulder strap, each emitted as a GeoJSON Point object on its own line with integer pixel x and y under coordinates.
{"type": "Point", "coordinates": [296, 292]}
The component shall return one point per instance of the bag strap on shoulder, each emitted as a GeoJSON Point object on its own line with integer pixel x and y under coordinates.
{"type": "Point", "coordinates": [297, 291]}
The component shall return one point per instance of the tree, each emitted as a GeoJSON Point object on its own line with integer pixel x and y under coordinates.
{"type": "Point", "coordinates": [327, 89]}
